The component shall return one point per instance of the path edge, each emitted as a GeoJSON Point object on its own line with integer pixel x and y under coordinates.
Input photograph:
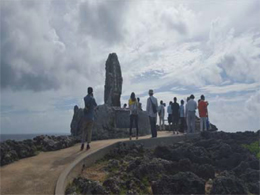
{"type": "Point", "coordinates": [77, 166]}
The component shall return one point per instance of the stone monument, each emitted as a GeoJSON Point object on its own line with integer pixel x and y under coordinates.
{"type": "Point", "coordinates": [114, 81]}
{"type": "Point", "coordinates": [111, 121]}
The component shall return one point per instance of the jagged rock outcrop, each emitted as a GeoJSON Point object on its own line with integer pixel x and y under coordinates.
{"type": "Point", "coordinates": [110, 122]}
{"type": "Point", "coordinates": [189, 167]}
{"type": "Point", "coordinates": [114, 81]}
{"type": "Point", "coordinates": [14, 150]}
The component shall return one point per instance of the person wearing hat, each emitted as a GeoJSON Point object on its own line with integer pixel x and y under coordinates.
{"type": "Point", "coordinates": [152, 109]}
{"type": "Point", "coordinates": [88, 119]}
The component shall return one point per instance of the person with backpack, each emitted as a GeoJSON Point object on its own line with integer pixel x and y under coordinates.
{"type": "Point", "coordinates": [88, 118]}
{"type": "Point", "coordinates": [203, 113]}
{"type": "Point", "coordinates": [133, 106]}
{"type": "Point", "coordinates": [161, 113]}
{"type": "Point", "coordinates": [175, 115]}
{"type": "Point", "coordinates": [151, 108]}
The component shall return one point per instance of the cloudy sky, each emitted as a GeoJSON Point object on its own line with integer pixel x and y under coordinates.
{"type": "Point", "coordinates": [52, 50]}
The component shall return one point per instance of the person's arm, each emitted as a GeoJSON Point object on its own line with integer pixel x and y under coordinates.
{"type": "Point", "coordinates": [128, 103]}
{"type": "Point", "coordinates": [94, 102]}
{"type": "Point", "coordinates": [156, 103]}
{"type": "Point", "coordinates": [148, 105]}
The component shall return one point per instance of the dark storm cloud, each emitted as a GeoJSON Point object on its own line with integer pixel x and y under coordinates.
{"type": "Point", "coordinates": [103, 20]}
{"type": "Point", "coordinates": [37, 82]}
{"type": "Point", "coordinates": [14, 54]}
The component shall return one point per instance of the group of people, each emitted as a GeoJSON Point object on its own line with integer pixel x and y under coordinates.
{"type": "Point", "coordinates": [179, 116]}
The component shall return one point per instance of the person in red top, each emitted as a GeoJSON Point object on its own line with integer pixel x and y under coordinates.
{"type": "Point", "coordinates": [203, 113]}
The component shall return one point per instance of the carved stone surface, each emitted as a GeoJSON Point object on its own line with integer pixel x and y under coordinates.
{"type": "Point", "coordinates": [114, 81]}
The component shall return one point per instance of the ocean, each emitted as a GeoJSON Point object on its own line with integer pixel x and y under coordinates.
{"type": "Point", "coordinates": [21, 137]}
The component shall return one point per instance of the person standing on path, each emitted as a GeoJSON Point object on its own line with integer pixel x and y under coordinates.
{"type": "Point", "coordinates": [169, 111]}
{"type": "Point", "coordinates": [182, 117]}
{"type": "Point", "coordinates": [133, 106]}
{"type": "Point", "coordinates": [175, 115]}
{"type": "Point", "coordinates": [161, 112]}
{"type": "Point", "coordinates": [203, 113]}
{"type": "Point", "coordinates": [88, 119]}
{"type": "Point", "coordinates": [191, 108]}
{"type": "Point", "coordinates": [151, 108]}
{"type": "Point", "coordinates": [186, 114]}
{"type": "Point", "coordinates": [139, 104]}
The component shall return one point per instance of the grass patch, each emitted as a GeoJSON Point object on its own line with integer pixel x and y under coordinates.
{"type": "Point", "coordinates": [253, 148]}
{"type": "Point", "coordinates": [96, 172]}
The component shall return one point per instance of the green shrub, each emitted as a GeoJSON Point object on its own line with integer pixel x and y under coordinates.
{"type": "Point", "coordinates": [253, 148]}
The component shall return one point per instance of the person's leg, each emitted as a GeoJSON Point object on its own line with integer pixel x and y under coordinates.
{"type": "Point", "coordinates": [154, 127]}
{"type": "Point", "coordinates": [177, 124]}
{"type": "Point", "coordinates": [151, 124]}
{"type": "Point", "coordinates": [83, 134]}
{"type": "Point", "coordinates": [201, 123]}
{"type": "Point", "coordinates": [170, 122]}
{"type": "Point", "coordinates": [193, 122]}
{"type": "Point", "coordinates": [131, 126]}
{"type": "Point", "coordinates": [160, 123]}
{"type": "Point", "coordinates": [163, 123]}
{"type": "Point", "coordinates": [182, 125]}
{"type": "Point", "coordinates": [136, 124]}
{"type": "Point", "coordinates": [205, 123]}
{"type": "Point", "coordinates": [173, 124]}
{"type": "Point", "coordinates": [189, 122]}
{"type": "Point", "coordinates": [89, 130]}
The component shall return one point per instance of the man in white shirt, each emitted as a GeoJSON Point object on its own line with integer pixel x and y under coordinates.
{"type": "Point", "coordinates": [161, 115]}
{"type": "Point", "coordinates": [151, 108]}
{"type": "Point", "coordinates": [191, 107]}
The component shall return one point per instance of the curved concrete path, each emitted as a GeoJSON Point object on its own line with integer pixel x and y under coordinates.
{"type": "Point", "coordinates": [39, 174]}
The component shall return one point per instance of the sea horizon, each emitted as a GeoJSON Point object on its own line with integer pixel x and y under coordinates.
{"type": "Point", "coordinates": [24, 136]}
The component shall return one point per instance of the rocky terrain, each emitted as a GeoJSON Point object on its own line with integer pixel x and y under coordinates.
{"type": "Point", "coordinates": [14, 150]}
{"type": "Point", "coordinates": [216, 163]}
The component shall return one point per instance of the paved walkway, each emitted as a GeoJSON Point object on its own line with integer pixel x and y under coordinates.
{"type": "Point", "coordinates": [39, 174]}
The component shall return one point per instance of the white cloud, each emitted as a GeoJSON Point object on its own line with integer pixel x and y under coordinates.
{"type": "Point", "coordinates": [53, 50]}
{"type": "Point", "coordinates": [236, 87]}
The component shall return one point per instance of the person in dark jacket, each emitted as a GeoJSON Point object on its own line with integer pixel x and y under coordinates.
{"type": "Point", "coordinates": [175, 115]}
{"type": "Point", "coordinates": [88, 118]}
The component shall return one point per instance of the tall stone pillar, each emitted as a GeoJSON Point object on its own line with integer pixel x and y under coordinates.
{"type": "Point", "coordinates": [114, 81]}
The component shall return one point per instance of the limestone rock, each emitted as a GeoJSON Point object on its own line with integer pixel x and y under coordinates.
{"type": "Point", "coordinates": [114, 81]}
{"type": "Point", "coordinates": [86, 186]}
{"type": "Point", "coordinates": [110, 122]}
{"type": "Point", "coordinates": [180, 183]}
{"type": "Point", "coordinates": [227, 183]}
